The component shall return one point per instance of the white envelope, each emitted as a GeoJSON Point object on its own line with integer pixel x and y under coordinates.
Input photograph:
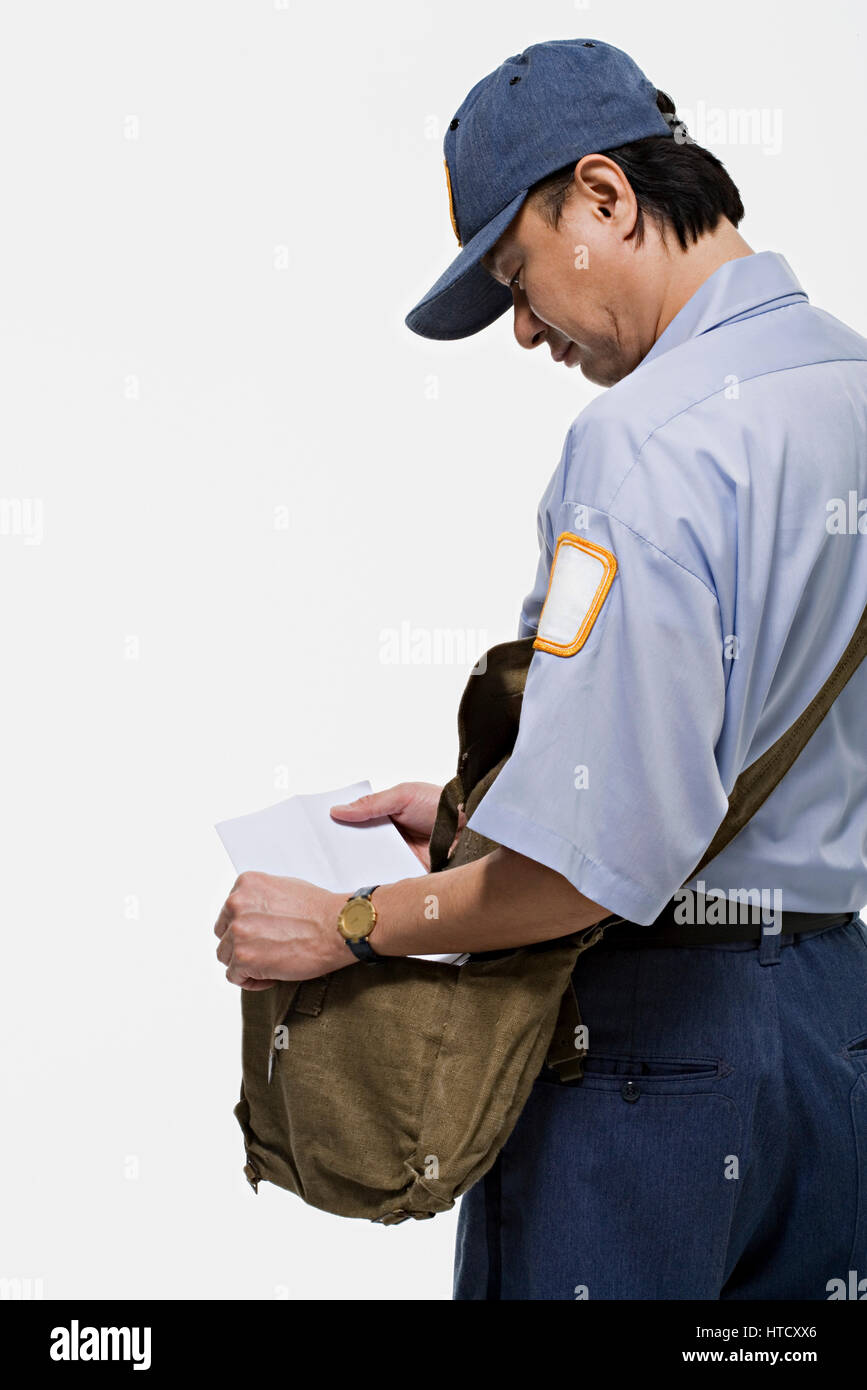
{"type": "Point", "coordinates": [298, 838]}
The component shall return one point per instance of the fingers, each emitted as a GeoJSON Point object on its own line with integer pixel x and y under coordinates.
{"type": "Point", "coordinates": [247, 952]}
{"type": "Point", "coordinates": [250, 937]}
{"type": "Point", "coordinates": [230, 909]}
{"type": "Point", "coordinates": [271, 927]}
{"type": "Point", "coordinates": [239, 900]}
{"type": "Point", "coordinates": [252, 892]}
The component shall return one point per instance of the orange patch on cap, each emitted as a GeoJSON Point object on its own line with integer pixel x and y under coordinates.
{"type": "Point", "coordinates": [452, 203]}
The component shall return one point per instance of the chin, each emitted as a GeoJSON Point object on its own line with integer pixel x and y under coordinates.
{"type": "Point", "coordinates": [593, 376]}
{"type": "Point", "coordinates": [601, 377]}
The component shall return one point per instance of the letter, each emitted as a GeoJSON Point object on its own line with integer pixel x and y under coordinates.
{"type": "Point", "coordinates": [749, 898]}
{"type": "Point", "coordinates": [777, 138]}
{"type": "Point", "coordinates": [853, 512]}
{"type": "Point", "coordinates": [10, 516]}
{"type": "Point", "coordinates": [59, 1344]}
{"type": "Point", "coordinates": [33, 524]}
{"type": "Point", "coordinates": [835, 522]}
{"type": "Point", "coordinates": [681, 911]}
{"type": "Point", "coordinates": [836, 1289]}
{"type": "Point", "coordinates": [716, 126]}
{"type": "Point", "coordinates": [141, 1353]}
{"type": "Point", "coordinates": [772, 920]}
{"type": "Point", "coordinates": [111, 1340]}
{"type": "Point", "coordinates": [388, 647]}
{"type": "Point", "coordinates": [421, 647]}
{"type": "Point", "coordinates": [775, 926]}
{"type": "Point", "coordinates": [717, 912]}
{"type": "Point", "coordinates": [88, 1344]}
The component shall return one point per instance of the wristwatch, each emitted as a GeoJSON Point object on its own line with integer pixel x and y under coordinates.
{"type": "Point", "coordinates": [356, 921]}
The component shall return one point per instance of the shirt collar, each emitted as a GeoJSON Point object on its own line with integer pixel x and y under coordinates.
{"type": "Point", "coordinates": [753, 284]}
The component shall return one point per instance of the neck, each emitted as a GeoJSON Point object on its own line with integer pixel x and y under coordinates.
{"type": "Point", "coordinates": [711, 251]}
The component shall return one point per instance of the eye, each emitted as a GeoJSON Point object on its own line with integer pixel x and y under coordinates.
{"type": "Point", "coordinates": [513, 283]}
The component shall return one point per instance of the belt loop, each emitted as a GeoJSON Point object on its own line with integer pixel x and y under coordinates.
{"type": "Point", "coordinates": [769, 944]}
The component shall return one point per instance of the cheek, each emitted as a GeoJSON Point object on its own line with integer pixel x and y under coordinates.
{"type": "Point", "coordinates": [555, 302]}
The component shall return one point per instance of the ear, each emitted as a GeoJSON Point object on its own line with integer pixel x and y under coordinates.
{"type": "Point", "coordinates": [606, 193]}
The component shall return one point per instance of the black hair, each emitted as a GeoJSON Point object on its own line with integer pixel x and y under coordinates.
{"type": "Point", "coordinates": [675, 181]}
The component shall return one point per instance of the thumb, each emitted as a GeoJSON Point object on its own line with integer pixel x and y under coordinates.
{"type": "Point", "coordinates": [366, 807]}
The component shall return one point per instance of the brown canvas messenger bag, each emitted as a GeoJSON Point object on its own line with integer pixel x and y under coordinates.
{"type": "Point", "coordinates": [386, 1092]}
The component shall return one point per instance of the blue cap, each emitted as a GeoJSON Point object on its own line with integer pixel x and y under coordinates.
{"type": "Point", "coordinates": [539, 111]}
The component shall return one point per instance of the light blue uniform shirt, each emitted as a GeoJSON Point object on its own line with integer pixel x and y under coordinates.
{"type": "Point", "coordinates": [725, 473]}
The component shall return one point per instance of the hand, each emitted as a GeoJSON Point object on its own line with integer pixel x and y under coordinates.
{"type": "Point", "coordinates": [274, 929]}
{"type": "Point", "coordinates": [412, 806]}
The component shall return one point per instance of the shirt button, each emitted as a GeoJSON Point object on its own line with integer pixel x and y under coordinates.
{"type": "Point", "coordinates": [630, 1091]}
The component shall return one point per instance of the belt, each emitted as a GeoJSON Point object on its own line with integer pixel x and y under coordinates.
{"type": "Point", "coordinates": [703, 930]}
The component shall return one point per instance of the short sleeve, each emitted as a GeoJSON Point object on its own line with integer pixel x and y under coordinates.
{"type": "Point", "coordinates": [613, 780]}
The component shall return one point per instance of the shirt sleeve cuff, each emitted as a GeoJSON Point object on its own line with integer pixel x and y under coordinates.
{"type": "Point", "coordinates": [621, 896]}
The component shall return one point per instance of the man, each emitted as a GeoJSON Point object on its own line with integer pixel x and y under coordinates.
{"type": "Point", "coordinates": [702, 568]}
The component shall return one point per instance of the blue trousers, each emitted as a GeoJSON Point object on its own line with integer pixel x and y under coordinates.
{"type": "Point", "coordinates": [716, 1147]}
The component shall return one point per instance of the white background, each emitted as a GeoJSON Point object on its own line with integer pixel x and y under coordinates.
{"type": "Point", "coordinates": [214, 219]}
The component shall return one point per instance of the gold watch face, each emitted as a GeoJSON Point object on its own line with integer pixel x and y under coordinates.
{"type": "Point", "coordinates": [356, 919]}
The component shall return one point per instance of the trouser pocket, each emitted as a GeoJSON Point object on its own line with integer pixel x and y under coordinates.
{"type": "Point", "coordinates": [622, 1187]}
{"type": "Point", "coordinates": [608, 1071]}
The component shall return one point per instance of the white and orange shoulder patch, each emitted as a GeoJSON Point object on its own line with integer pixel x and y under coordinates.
{"type": "Point", "coordinates": [581, 575]}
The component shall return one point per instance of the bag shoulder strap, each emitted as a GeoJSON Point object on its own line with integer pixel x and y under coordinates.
{"type": "Point", "coordinates": [755, 783]}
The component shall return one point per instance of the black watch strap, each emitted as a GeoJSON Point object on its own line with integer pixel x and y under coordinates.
{"type": "Point", "coordinates": [363, 949]}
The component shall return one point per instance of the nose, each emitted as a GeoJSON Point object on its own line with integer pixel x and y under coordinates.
{"type": "Point", "coordinates": [530, 331]}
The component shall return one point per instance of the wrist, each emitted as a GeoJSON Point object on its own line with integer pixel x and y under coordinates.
{"type": "Point", "coordinates": [361, 928]}
{"type": "Point", "coordinates": [387, 913]}
{"type": "Point", "coordinates": [339, 948]}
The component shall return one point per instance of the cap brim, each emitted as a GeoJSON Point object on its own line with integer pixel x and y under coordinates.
{"type": "Point", "coordinates": [466, 299]}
